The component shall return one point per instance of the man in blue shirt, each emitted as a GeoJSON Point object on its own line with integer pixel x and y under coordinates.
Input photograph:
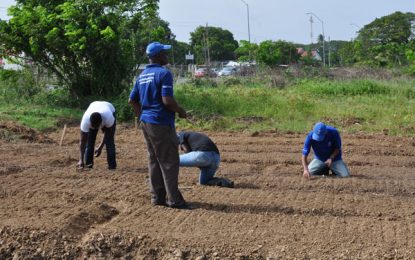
{"type": "Point", "coordinates": [327, 147]}
{"type": "Point", "coordinates": [153, 101]}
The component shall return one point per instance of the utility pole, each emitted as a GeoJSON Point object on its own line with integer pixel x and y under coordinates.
{"type": "Point", "coordinates": [324, 37]}
{"type": "Point", "coordinates": [207, 45]}
{"type": "Point", "coordinates": [329, 51]}
{"type": "Point", "coordinates": [247, 14]}
{"type": "Point", "coordinates": [311, 29]}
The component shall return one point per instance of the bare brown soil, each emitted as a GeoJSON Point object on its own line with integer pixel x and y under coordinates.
{"type": "Point", "coordinates": [50, 210]}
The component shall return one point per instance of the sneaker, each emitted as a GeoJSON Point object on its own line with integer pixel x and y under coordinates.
{"type": "Point", "coordinates": [221, 182]}
{"type": "Point", "coordinates": [186, 206]}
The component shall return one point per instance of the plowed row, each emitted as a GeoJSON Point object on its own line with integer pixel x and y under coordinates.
{"type": "Point", "coordinates": [48, 209]}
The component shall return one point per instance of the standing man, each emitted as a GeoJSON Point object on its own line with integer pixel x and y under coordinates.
{"type": "Point", "coordinates": [100, 114]}
{"type": "Point", "coordinates": [327, 147]}
{"type": "Point", "coordinates": [152, 99]}
{"type": "Point", "coordinates": [200, 151]}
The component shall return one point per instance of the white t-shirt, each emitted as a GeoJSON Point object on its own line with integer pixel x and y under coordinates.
{"type": "Point", "coordinates": [106, 110]}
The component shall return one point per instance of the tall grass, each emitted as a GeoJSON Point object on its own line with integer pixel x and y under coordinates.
{"type": "Point", "coordinates": [353, 105]}
{"type": "Point", "coordinates": [280, 101]}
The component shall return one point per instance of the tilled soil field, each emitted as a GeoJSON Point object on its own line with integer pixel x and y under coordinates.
{"type": "Point", "coordinates": [48, 209]}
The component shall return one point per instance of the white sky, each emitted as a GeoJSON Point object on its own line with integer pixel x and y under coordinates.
{"type": "Point", "coordinates": [272, 19]}
{"type": "Point", "coordinates": [277, 19]}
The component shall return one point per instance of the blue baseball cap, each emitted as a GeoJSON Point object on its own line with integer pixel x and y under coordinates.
{"type": "Point", "coordinates": [319, 132]}
{"type": "Point", "coordinates": [155, 48]}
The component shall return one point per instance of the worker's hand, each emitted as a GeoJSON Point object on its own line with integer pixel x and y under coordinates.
{"type": "Point", "coordinates": [98, 151]}
{"type": "Point", "coordinates": [306, 174]}
{"type": "Point", "coordinates": [183, 114]}
{"type": "Point", "coordinates": [329, 162]}
{"type": "Point", "coordinates": [80, 165]}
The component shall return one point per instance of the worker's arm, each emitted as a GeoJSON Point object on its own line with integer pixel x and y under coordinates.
{"type": "Point", "coordinates": [172, 105]}
{"type": "Point", "coordinates": [136, 107]}
{"type": "Point", "coordinates": [98, 150]}
{"type": "Point", "coordinates": [333, 155]}
{"type": "Point", "coordinates": [304, 161]}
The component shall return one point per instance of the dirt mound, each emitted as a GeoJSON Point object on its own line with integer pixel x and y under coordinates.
{"type": "Point", "coordinates": [11, 131]}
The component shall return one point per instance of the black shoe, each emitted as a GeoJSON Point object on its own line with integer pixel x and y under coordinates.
{"type": "Point", "coordinates": [221, 182]}
{"type": "Point", "coordinates": [182, 206]}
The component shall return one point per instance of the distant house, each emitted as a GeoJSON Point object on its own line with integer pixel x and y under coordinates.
{"type": "Point", "coordinates": [314, 54]}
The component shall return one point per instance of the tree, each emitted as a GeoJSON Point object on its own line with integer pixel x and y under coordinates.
{"type": "Point", "coordinates": [383, 41]}
{"type": "Point", "coordinates": [280, 52]}
{"type": "Point", "coordinates": [214, 42]}
{"type": "Point", "coordinates": [246, 51]}
{"type": "Point", "coordinates": [180, 49]}
{"type": "Point", "coordinates": [92, 46]}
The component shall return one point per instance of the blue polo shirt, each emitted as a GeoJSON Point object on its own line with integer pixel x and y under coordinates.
{"type": "Point", "coordinates": [154, 83]}
{"type": "Point", "coordinates": [323, 150]}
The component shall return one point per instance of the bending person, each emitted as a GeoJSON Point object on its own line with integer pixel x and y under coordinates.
{"type": "Point", "coordinates": [200, 151]}
{"type": "Point", "coordinates": [100, 114]}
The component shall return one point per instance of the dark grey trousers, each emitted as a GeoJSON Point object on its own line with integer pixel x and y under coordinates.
{"type": "Point", "coordinates": [163, 164]}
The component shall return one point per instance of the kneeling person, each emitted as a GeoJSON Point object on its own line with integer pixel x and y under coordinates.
{"type": "Point", "coordinates": [327, 147]}
{"type": "Point", "coordinates": [100, 114]}
{"type": "Point", "coordinates": [200, 151]}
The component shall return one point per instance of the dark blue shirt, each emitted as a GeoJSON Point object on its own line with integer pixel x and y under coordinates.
{"type": "Point", "coordinates": [323, 150]}
{"type": "Point", "coordinates": [154, 83]}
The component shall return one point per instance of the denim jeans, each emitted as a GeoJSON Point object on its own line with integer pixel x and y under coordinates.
{"type": "Point", "coordinates": [317, 167]}
{"type": "Point", "coordinates": [109, 146]}
{"type": "Point", "coordinates": [207, 162]}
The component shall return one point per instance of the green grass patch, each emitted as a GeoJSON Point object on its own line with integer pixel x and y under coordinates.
{"type": "Point", "coordinates": [351, 105]}
{"type": "Point", "coordinates": [40, 117]}
{"type": "Point", "coordinates": [354, 105]}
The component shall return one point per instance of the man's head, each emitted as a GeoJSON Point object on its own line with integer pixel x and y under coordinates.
{"type": "Point", "coordinates": [96, 120]}
{"type": "Point", "coordinates": [319, 132]}
{"type": "Point", "coordinates": [156, 52]}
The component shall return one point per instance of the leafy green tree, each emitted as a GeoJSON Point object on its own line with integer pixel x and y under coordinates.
{"type": "Point", "coordinates": [273, 53]}
{"type": "Point", "coordinates": [92, 46]}
{"type": "Point", "coordinates": [179, 51]}
{"type": "Point", "coordinates": [246, 51]}
{"type": "Point", "coordinates": [410, 55]}
{"type": "Point", "coordinates": [383, 41]}
{"type": "Point", "coordinates": [220, 42]}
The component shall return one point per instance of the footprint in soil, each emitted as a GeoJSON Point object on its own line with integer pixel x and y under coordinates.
{"type": "Point", "coordinates": [79, 224]}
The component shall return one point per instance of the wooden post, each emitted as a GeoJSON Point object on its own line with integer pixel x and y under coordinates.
{"type": "Point", "coordinates": [63, 135]}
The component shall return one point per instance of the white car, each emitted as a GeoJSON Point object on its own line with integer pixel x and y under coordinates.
{"type": "Point", "coordinates": [227, 71]}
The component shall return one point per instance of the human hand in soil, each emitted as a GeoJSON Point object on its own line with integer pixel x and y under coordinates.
{"type": "Point", "coordinates": [306, 174]}
{"type": "Point", "coordinates": [329, 162]}
{"type": "Point", "coordinates": [98, 151]}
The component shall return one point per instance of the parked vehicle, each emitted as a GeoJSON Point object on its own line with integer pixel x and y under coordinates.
{"type": "Point", "coordinates": [227, 71]}
{"type": "Point", "coordinates": [205, 72]}
{"type": "Point", "coordinates": [201, 72]}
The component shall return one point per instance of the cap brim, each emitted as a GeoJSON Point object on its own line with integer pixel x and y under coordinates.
{"type": "Point", "coordinates": [166, 47]}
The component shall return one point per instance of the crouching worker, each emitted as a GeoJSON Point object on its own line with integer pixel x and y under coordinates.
{"type": "Point", "coordinates": [99, 115]}
{"type": "Point", "coordinates": [200, 151]}
{"type": "Point", "coordinates": [327, 147]}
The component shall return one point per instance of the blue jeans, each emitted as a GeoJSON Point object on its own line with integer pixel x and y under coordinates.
{"type": "Point", "coordinates": [207, 162]}
{"type": "Point", "coordinates": [317, 167]}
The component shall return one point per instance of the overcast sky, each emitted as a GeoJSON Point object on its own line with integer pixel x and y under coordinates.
{"type": "Point", "coordinates": [273, 19]}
